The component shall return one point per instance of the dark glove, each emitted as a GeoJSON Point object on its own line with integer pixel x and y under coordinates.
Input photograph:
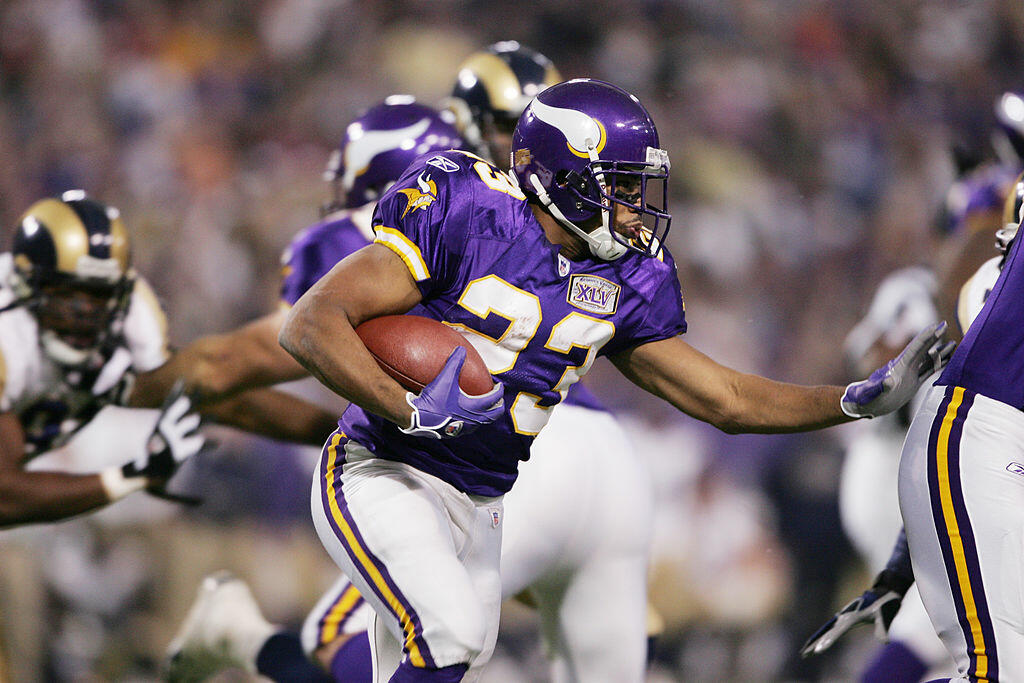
{"type": "Point", "coordinates": [879, 604]}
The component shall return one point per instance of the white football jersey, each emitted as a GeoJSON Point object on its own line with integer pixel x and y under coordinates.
{"type": "Point", "coordinates": [42, 393]}
{"type": "Point", "coordinates": [976, 290]}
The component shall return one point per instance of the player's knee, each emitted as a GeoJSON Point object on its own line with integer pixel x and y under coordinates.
{"type": "Point", "coordinates": [460, 639]}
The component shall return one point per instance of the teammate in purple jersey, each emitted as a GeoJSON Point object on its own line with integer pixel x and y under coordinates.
{"type": "Point", "coordinates": [961, 481]}
{"type": "Point", "coordinates": [587, 581]}
{"type": "Point", "coordinates": [983, 206]}
{"type": "Point", "coordinates": [542, 272]}
{"type": "Point", "coordinates": [374, 151]}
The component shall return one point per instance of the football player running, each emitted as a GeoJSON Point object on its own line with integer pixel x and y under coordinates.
{"type": "Point", "coordinates": [542, 275]}
{"type": "Point", "coordinates": [76, 325]}
{"type": "Point", "coordinates": [567, 569]}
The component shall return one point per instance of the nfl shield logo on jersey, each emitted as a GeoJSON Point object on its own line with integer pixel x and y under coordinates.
{"type": "Point", "coordinates": [563, 266]}
{"type": "Point", "coordinates": [453, 428]}
{"type": "Point", "coordinates": [495, 517]}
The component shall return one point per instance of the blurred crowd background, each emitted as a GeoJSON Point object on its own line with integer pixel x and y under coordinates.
{"type": "Point", "coordinates": [812, 145]}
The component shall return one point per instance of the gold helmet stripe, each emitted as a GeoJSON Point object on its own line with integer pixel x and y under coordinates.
{"type": "Point", "coordinates": [503, 87]}
{"type": "Point", "coordinates": [1014, 200]}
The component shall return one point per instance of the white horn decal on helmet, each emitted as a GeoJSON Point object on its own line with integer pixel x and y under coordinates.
{"type": "Point", "coordinates": [583, 133]}
{"type": "Point", "coordinates": [364, 147]}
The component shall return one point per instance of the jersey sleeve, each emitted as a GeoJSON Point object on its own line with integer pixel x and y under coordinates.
{"type": "Point", "coordinates": [424, 219]}
{"type": "Point", "coordinates": [145, 328]}
{"type": "Point", "coordinates": [664, 313]}
{"type": "Point", "coordinates": [302, 264]}
{"type": "Point", "coordinates": [666, 316]}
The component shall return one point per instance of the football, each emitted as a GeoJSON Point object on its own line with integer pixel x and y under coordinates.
{"type": "Point", "coordinates": [413, 349]}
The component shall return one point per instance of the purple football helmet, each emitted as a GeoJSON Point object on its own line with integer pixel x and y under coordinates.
{"type": "Point", "coordinates": [379, 145]}
{"type": "Point", "coordinates": [583, 146]}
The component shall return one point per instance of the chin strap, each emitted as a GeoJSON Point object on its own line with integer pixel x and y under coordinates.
{"type": "Point", "coordinates": [601, 243]}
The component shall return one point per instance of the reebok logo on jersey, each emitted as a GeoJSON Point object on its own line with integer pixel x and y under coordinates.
{"type": "Point", "coordinates": [446, 165]}
{"type": "Point", "coordinates": [594, 294]}
{"type": "Point", "coordinates": [1016, 468]}
{"type": "Point", "coordinates": [420, 198]}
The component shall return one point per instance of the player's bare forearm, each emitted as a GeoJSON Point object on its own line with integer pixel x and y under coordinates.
{"type": "Point", "coordinates": [27, 497]}
{"type": "Point", "coordinates": [319, 332]}
{"type": "Point", "coordinates": [732, 401]}
{"type": "Point", "coordinates": [217, 367]}
{"type": "Point", "coordinates": [274, 414]}
{"type": "Point", "coordinates": [32, 497]}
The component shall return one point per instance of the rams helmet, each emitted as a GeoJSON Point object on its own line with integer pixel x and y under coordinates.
{"type": "Point", "coordinates": [72, 271]}
{"type": "Point", "coordinates": [492, 88]}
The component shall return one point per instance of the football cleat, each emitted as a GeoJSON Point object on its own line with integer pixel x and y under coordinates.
{"type": "Point", "coordinates": [224, 618]}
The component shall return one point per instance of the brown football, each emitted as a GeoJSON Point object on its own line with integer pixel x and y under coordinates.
{"type": "Point", "coordinates": [413, 350]}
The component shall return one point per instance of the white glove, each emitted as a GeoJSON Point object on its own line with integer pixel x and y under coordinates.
{"type": "Point", "coordinates": [896, 382]}
{"type": "Point", "coordinates": [175, 439]}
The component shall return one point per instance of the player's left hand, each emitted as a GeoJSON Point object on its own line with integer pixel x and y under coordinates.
{"type": "Point", "coordinates": [879, 604]}
{"type": "Point", "coordinates": [895, 383]}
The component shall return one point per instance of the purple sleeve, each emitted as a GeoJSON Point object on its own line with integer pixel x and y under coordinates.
{"type": "Point", "coordinates": [303, 266]}
{"type": "Point", "coordinates": [424, 219]}
{"type": "Point", "coordinates": [666, 315]}
{"type": "Point", "coordinates": [314, 252]}
{"type": "Point", "coordinates": [661, 311]}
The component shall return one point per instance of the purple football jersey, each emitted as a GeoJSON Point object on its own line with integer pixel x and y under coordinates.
{"type": "Point", "coordinates": [484, 267]}
{"type": "Point", "coordinates": [990, 359]}
{"type": "Point", "coordinates": [315, 250]}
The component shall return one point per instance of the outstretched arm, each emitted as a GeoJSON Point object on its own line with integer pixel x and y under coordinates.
{"type": "Point", "coordinates": [274, 414]}
{"type": "Point", "coordinates": [738, 402]}
{"type": "Point", "coordinates": [27, 497]}
{"type": "Point", "coordinates": [733, 401]}
{"type": "Point", "coordinates": [219, 366]}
